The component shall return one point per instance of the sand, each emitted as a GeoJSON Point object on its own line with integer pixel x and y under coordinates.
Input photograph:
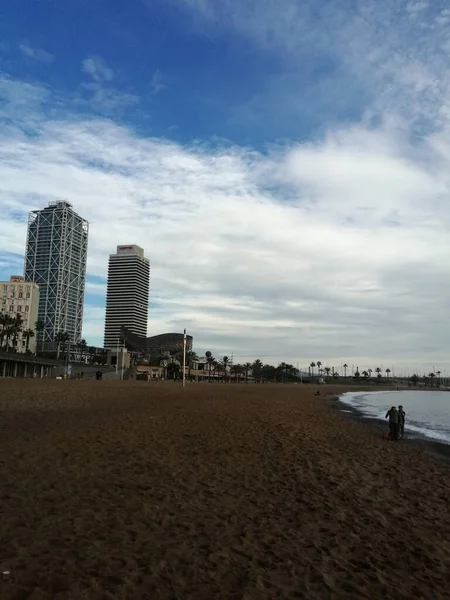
{"type": "Point", "coordinates": [145, 490]}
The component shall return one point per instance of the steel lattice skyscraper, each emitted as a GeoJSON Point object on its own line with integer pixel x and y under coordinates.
{"type": "Point", "coordinates": [55, 259]}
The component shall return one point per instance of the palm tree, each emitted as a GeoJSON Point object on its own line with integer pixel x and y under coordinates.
{"type": "Point", "coordinates": [5, 323]}
{"type": "Point", "coordinates": [312, 365]}
{"type": "Point", "coordinates": [378, 371]}
{"type": "Point", "coordinates": [82, 347]}
{"type": "Point", "coordinates": [319, 364]}
{"type": "Point", "coordinates": [210, 360]}
{"type": "Point", "coordinates": [191, 357]}
{"type": "Point", "coordinates": [370, 372]}
{"type": "Point", "coordinates": [61, 338]}
{"type": "Point", "coordinates": [431, 376]}
{"type": "Point", "coordinates": [17, 325]}
{"type": "Point", "coordinates": [27, 335]}
{"type": "Point", "coordinates": [327, 371]}
{"type": "Point", "coordinates": [237, 370]}
{"type": "Point", "coordinates": [345, 369]}
{"type": "Point", "coordinates": [438, 373]}
{"type": "Point", "coordinates": [225, 363]}
{"type": "Point", "coordinates": [247, 366]}
{"type": "Point", "coordinates": [38, 327]}
{"type": "Point", "coordinates": [257, 368]}
{"type": "Point", "coordinates": [387, 372]}
{"type": "Point", "coordinates": [365, 374]}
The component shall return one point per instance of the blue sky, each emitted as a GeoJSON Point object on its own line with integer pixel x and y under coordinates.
{"type": "Point", "coordinates": [285, 167]}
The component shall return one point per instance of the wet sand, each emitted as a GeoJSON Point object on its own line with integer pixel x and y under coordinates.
{"type": "Point", "coordinates": [141, 490]}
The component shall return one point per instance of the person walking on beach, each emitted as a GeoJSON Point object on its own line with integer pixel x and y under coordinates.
{"type": "Point", "coordinates": [401, 421]}
{"type": "Point", "coordinates": [393, 415]}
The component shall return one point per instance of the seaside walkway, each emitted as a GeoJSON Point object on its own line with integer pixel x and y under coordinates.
{"type": "Point", "coordinates": [13, 364]}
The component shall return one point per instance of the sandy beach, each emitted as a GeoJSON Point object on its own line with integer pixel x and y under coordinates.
{"type": "Point", "coordinates": [140, 490]}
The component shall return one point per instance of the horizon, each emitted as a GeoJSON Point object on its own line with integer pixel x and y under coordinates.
{"type": "Point", "coordinates": [287, 173]}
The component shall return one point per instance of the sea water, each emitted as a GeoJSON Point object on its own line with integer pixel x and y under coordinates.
{"type": "Point", "coordinates": [427, 412]}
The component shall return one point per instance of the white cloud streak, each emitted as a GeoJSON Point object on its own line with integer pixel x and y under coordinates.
{"type": "Point", "coordinates": [96, 67]}
{"type": "Point", "coordinates": [36, 54]}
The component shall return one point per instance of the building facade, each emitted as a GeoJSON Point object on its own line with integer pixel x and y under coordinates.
{"type": "Point", "coordinates": [55, 259]}
{"type": "Point", "coordinates": [21, 299]}
{"type": "Point", "coordinates": [127, 294]}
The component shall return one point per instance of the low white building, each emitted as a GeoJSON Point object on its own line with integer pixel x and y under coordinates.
{"type": "Point", "coordinates": [18, 297]}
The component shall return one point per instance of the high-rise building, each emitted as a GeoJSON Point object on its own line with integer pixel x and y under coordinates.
{"type": "Point", "coordinates": [55, 259]}
{"type": "Point", "coordinates": [127, 293]}
{"type": "Point", "coordinates": [20, 299]}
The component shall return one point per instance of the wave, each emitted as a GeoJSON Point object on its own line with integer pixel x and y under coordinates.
{"type": "Point", "coordinates": [358, 401]}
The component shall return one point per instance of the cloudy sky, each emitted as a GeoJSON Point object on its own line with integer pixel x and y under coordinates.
{"type": "Point", "coordinates": [284, 164]}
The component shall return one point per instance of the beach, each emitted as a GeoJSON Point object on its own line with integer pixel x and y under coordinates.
{"type": "Point", "coordinates": [136, 490]}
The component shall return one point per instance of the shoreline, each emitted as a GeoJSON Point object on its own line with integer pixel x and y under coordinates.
{"type": "Point", "coordinates": [438, 449]}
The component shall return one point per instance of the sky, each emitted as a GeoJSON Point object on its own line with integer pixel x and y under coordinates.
{"type": "Point", "coordinates": [284, 164]}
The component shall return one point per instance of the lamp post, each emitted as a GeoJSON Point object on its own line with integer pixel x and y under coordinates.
{"type": "Point", "coordinates": [184, 358]}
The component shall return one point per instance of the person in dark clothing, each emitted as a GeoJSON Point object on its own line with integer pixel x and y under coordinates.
{"type": "Point", "coordinates": [401, 421]}
{"type": "Point", "coordinates": [392, 413]}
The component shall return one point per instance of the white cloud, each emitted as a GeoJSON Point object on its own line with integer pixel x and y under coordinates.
{"type": "Point", "coordinates": [393, 55]}
{"type": "Point", "coordinates": [157, 83]}
{"type": "Point", "coordinates": [335, 249]}
{"type": "Point", "coordinates": [97, 69]}
{"type": "Point", "coordinates": [36, 54]}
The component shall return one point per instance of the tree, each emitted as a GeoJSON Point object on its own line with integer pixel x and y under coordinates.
{"type": "Point", "coordinates": [378, 370]}
{"type": "Point", "coordinates": [370, 372]}
{"type": "Point", "coordinates": [38, 327]}
{"type": "Point", "coordinates": [319, 367]}
{"type": "Point", "coordinates": [431, 376]}
{"type": "Point", "coordinates": [365, 374]}
{"type": "Point", "coordinates": [6, 323]}
{"type": "Point", "coordinates": [345, 370]}
{"type": "Point", "coordinates": [28, 334]}
{"type": "Point", "coordinates": [237, 370]}
{"type": "Point", "coordinates": [327, 371]}
{"type": "Point", "coordinates": [414, 379]}
{"type": "Point", "coordinates": [269, 372]}
{"type": "Point", "coordinates": [357, 374]}
{"type": "Point", "coordinates": [257, 368]}
{"type": "Point", "coordinates": [82, 348]}
{"type": "Point", "coordinates": [16, 328]}
{"type": "Point", "coordinates": [224, 364]}
{"type": "Point", "coordinates": [312, 365]}
{"type": "Point", "coordinates": [62, 337]}
{"type": "Point", "coordinates": [387, 372]}
{"type": "Point", "coordinates": [210, 361]}
{"type": "Point", "coordinates": [191, 357]}
{"type": "Point", "coordinates": [247, 366]}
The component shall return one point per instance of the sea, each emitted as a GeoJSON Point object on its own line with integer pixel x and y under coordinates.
{"type": "Point", "coordinates": [427, 412]}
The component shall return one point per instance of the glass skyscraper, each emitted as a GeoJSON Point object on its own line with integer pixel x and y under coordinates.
{"type": "Point", "coordinates": [55, 259]}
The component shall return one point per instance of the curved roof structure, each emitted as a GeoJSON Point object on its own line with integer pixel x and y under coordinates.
{"type": "Point", "coordinates": [164, 342]}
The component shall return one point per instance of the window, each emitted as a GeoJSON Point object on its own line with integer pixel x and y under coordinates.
{"type": "Point", "coordinates": [19, 309]}
{"type": "Point", "coordinates": [13, 287]}
{"type": "Point", "coordinates": [27, 308]}
{"type": "Point", "coordinates": [4, 301]}
{"type": "Point", "coordinates": [11, 308]}
{"type": "Point", "coordinates": [20, 295]}
{"type": "Point", "coordinates": [20, 288]}
{"type": "Point", "coordinates": [28, 294]}
{"type": "Point", "coordinates": [13, 294]}
{"type": "Point", "coordinates": [28, 288]}
{"type": "Point", "coordinates": [5, 288]}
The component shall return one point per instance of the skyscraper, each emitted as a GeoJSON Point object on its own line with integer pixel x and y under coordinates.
{"type": "Point", "coordinates": [127, 293]}
{"type": "Point", "coordinates": [55, 259]}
